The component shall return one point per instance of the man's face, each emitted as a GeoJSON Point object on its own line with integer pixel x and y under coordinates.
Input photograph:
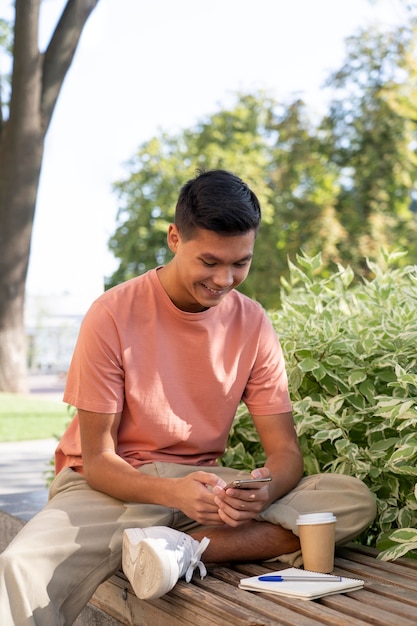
{"type": "Point", "coordinates": [207, 267]}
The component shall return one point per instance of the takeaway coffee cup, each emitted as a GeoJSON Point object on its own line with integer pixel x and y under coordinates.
{"type": "Point", "coordinates": [317, 538]}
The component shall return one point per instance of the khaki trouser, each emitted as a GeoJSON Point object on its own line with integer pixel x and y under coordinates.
{"type": "Point", "coordinates": [53, 566]}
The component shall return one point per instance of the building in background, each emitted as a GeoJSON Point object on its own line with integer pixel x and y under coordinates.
{"type": "Point", "coordinates": [52, 324]}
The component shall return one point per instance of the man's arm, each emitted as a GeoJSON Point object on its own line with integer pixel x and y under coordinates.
{"type": "Point", "coordinates": [106, 471]}
{"type": "Point", "coordinates": [284, 464]}
{"type": "Point", "coordinates": [283, 454]}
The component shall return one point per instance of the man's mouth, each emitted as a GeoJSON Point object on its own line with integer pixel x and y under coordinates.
{"type": "Point", "coordinates": [215, 292]}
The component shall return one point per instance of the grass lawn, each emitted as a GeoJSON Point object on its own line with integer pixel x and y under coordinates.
{"type": "Point", "coordinates": [24, 418]}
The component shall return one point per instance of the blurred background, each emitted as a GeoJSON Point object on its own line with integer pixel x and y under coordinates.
{"type": "Point", "coordinates": [313, 103]}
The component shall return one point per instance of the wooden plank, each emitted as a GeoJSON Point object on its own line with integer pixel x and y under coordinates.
{"type": "Point", "coordinates": [354, 550]}
{"type": "Point", "coordinates": [387, 589]}
{"type": "Point", "coordinates": [395, 576]}
{"type": "Point", "coordinates": [362, 554]}
{"type": "Point", "coordinates": [391, 605]}
{"type": "Point", "coordinates": [117, 598]}
{"type": "Point", "coordinates": [352, 605]}
{"type": "Point", "coordinates": [221, 610]}
{"type": "Point", "coordinates": [391, 592]}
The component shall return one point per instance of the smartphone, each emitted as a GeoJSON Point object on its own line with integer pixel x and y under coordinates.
{"type": "Point", "coordinates": [246, 483]}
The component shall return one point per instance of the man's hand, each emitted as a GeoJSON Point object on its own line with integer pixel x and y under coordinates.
{"type": "Point", "coordinates": [195, 496]}
{"type": "Point", "coordinates": [239, 506]}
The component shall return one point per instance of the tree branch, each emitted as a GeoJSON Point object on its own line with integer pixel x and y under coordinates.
{"type": "Point", "coordinates": [60, 52]}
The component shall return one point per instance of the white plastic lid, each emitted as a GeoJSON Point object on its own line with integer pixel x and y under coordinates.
{"type": "Point", "coordinates": [315, 518]}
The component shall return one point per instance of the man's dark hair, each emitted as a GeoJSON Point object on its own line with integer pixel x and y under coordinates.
{"type": "Point", "coordinates": [217, 200]}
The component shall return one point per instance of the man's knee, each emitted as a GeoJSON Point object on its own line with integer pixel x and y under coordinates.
{"type": "Point", "coordinates": [350, 500]}
{"type": "Point", "coordinates": [347, 497]}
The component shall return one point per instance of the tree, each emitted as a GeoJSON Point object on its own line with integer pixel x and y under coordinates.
{"type": "Point", "coordinates": [304, 190]}
{"type": "Point", "coordinates": [37, 79]}
{"type": "Point", "coordinates": [372, 127]}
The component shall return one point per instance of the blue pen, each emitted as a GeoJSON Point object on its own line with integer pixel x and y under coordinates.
{"type": "Point", "coordinates": [305, 579]}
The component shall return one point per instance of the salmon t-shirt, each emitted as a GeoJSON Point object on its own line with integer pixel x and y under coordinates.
{"type": "Point", "coordinates": [177, 377]}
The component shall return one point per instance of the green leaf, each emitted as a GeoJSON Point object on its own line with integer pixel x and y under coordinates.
{"type": "Point", "coordinates": [404, 535]}
{"type": "Point", "coordinates": [356, 377]}
{"type": "Point", "coordinates": [310, 263]}
{"type": "Point", "coordinates": [333, 360]}
{"type": "Point", "coordinates": [368, 390]}
{"type": "Point", "coordinates": [328, 435]}
{"type": "Point", "coordinates": [405, 518]}
{"type": "Point", "coordinates": [403, 454]}
{"type": "Point", "coordinates": [383, 445]}
{"type": "Point", "coordinates": [391, 554]}
{"type": "Point", "coordinates": [390, 515]}
{"type": "Point", "coordinates": [295, 379]}
{"type": "Point", "coordinates": [308, 365]}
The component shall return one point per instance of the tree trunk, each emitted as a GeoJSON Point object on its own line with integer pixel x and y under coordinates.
{"type": "Point", "coordinates": [36, 83]}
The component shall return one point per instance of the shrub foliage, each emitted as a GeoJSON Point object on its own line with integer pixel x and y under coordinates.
{"type": "Point", "coordinates": [350, 347]}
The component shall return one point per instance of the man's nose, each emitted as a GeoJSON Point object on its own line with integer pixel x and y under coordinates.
{"type": "Point", "coordinates": [223, 277]}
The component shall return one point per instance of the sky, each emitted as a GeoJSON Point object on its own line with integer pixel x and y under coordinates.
{"type": "Point", "coordinates": [146, 66]}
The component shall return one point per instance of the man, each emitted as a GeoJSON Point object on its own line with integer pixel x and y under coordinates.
{"type": "Point", "coordinates": [161, 364]}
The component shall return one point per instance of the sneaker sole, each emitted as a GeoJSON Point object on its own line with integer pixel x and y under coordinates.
{"type": "Point", "coordinates": [150, 575]}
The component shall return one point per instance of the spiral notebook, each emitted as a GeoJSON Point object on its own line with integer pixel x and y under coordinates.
{"type": "Point", "coordinates": [304, 590]}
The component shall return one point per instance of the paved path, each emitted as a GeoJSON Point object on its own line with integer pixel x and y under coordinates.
{"type": "Point", "coordinates": [23, 464]}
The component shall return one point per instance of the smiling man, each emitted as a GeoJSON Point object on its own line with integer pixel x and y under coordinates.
{"type": "Point", "coordinates": [204, 270]}
{"type": "Point", "coordinates": [161, 364]}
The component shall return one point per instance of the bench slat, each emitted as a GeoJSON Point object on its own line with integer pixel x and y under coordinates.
{"type": "Point", "coordinates": [369, 614]}
{"type": "Point", "coordinates": [357, 553]}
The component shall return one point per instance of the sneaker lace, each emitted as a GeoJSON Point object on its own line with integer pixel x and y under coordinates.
{"type": "Point", "coordinates": [196, 561]}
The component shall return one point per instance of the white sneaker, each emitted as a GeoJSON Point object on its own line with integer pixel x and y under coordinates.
{"type": "Point", "coordinates": [154, 558]}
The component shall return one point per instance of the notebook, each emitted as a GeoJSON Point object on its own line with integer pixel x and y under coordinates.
{"type": "Point", "coordinates": [299, 589]}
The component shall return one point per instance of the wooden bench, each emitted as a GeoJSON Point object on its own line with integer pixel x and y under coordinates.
{"type": "Point", "coordinates": [389, 598]}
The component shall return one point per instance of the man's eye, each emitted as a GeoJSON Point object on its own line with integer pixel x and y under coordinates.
{"type": "Point", "coordinates": [207, 264]}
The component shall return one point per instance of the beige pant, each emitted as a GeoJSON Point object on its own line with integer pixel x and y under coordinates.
{"type": "Point", "coordinates": [52, 568]}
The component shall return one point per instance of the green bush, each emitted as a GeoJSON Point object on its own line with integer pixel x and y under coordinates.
{"type": "Point", "coordinates": [350, 347]}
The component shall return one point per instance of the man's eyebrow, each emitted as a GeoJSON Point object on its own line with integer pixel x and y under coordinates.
{"type": "Point", "coordinates": [213, 257]}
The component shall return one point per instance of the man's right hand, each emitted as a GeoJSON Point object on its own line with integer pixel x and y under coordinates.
{"type": "Point", "coordinates": [194, 496]}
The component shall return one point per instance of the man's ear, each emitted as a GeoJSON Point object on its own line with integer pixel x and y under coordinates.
{"type": "Point", "coordinates": [173, 238]}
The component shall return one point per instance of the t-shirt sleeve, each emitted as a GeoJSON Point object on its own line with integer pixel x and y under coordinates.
{"type": "Point", "coordinates": [266, 392]}
{"type": "Point", "coordinates": [95, 380]}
